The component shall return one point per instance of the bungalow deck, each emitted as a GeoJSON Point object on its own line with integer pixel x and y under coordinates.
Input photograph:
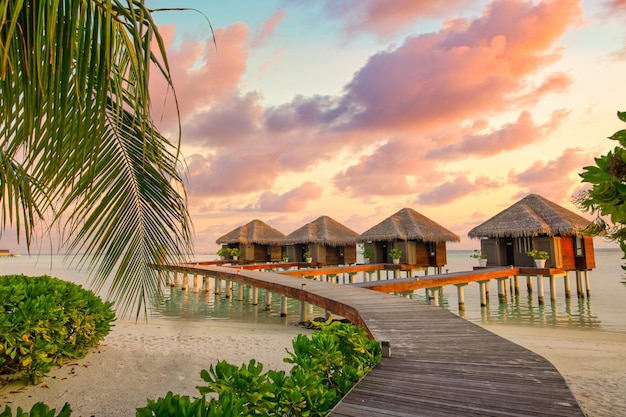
{"type": "Point", "coordinates": [440, 364]}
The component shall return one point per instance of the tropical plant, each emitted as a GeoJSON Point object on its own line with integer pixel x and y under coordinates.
{"type": "Point", "coordinates": [538, 254]}
{"type": "Point", "coordinates": [395, 253]}
{"type": "Point", "coordinates": [306, 255]}
{"type": "Point", "coordinates": [479, 254]}
{"type": "Point", "coordinates": [608, 192]}
{"type": "Point", "coordinates": [78, 149]}
{"type": "Point", "coordinates": [38, 410]}
{"type": "Point", "coordinates": [368, 251]}
{"type": "Point", "coordinates": [234, 252]}
{"type": "Point", "coordinates": [222, 252]}
{"type": "Point", "coordinates": [45, 321]}
{"type": "Point", "coordinates": [285, 257]}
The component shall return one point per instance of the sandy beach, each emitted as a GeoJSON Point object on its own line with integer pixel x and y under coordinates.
{"type": "Point", "coordinates": [139, 361]}
{"type": "Point", "coordinates": [146, 360]}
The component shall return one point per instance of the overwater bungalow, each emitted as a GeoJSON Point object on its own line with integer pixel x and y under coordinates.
{"type": "Point", "coordinates": [257, 242]}
{"type": "Point", "coordinates": [535, 223]}
{"type": "Point", "coordinates": [421, 240]}
{"type": "Point", "coordinates": [327, 241]}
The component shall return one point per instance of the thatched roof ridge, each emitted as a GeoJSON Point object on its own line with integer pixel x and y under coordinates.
{"type": "Point", "coordinates": [531, 216]}
{"type": "Point", "coordinates": [408, 224]}
{"type": "Point", "coordinates": [254, 232]}
{"type": "Point", "coordinates": [323, 230]}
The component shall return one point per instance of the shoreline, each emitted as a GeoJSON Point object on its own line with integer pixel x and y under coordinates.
{"type": "Point", "coordinates": [138, 361]}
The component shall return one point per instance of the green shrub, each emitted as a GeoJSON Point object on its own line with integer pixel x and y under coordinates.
{"type": "Point", "coordinates": [45, 321]}
{"type": "Point", "coordinates": [38, 410]}
{"type": "Point", "coordinates": [325, 367]}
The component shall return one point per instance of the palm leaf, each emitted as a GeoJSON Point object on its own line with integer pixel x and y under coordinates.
{"type": "Point", "coordinates": [77, 139]}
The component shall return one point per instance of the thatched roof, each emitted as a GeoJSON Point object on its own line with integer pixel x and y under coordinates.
{"type": "Point", "coordinates": [325, 231]}
{"type": "Point", "coordinates": [531, 216]}
{"type": "Point", "coordinates": [408, 224]}
{"type": "Point", "coordinates": [254, 232]}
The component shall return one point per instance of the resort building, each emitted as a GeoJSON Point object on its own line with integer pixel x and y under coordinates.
{"type": "Point", "coordinates": [419, 241]}
{"type": "Point", "coordinates": [327, 241]}
{"type": "Point", "coordinates": [256, 241]}
{"type": "Point", "coordinates": [535, 223]}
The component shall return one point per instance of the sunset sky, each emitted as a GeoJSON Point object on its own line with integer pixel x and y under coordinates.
{"type": "Point", "coordinates": [355, 109]}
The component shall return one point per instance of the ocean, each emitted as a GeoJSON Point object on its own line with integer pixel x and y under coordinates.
{"type": "Point", "coordinates": [604, 310]}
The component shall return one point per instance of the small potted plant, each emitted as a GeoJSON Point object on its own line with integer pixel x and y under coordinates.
{"type": "Point", "coordinates": [368, 252]}
{"type": "Point", "coordinates": [539, 256]}
{"type": "Point", "coordinates": [395, 254]}
{"type": "Point", "coordinates": [307, 257]}
{"type": "Point", "coordinates": [235, 253]}
{"type": "Point", "coordinates": [285, 257]}
{"type": "Point", "coordinates": [481, 255]}
{"type": "Point", "coordinates": [222, 252]}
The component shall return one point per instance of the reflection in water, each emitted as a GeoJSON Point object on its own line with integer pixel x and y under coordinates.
{"type": "Point", "coordinates": [202, 305]}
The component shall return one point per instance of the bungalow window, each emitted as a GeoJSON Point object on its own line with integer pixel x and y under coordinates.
{"type": "Point", "coordinates": [578, 246]}
{"type": "Point", "coordinates": [523, 244]}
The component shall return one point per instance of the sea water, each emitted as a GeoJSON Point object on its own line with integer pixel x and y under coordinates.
{"type": "Point", "coordinates": [605, 309]}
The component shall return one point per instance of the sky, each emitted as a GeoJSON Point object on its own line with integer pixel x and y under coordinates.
{"type": "Point", "coordinates": [291, 110]}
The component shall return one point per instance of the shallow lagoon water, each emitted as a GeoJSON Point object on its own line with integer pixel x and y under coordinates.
{"type": "Point", "coordinates": [604, 310]}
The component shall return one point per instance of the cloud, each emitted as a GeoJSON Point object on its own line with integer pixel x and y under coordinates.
{"type": "Point", "coordinates": [268, 29]}
{"type": "Point", "coordinates": [552, 179]}
{"type": "Point", "coordinates": [511, 136]}
{"type": "Point", "coordinates": [468, 68]}
{"type": "Point", "coordinates": [292, 201]}
{"type": "Point", "coordinates": [456, 189]}
{"type": "Point", "coordinates": [386, 18]}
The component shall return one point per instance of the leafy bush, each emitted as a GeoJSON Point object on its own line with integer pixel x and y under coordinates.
{"type": "Point", "coordinates": [325, 368]}
{"type": "Point", "coordinates": [38, 410]}
{"type": "Point", "coordinates": [45, 321]}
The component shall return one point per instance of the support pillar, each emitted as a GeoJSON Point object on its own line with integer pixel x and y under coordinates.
{"type": "Point", "coordinates": [588, 285]}
{"type": "Point", "coordinates": [566, 285]}
{"type": "Point", "coordinates": [502, 290]}
{"type": "Point", "coordinates": [240, 290]}
{"type": "Point", "coordinates": [483, 293]}
{"type": "Point", "coordinates": [196, 285]}
{"type": "Point", "coordinates": [540, 289]}
{"type": "Point", "coordinates": [229, 289]}
{"type": "Point", "coordinates": [255, 296]}
{"type": "Point", "coordinates": [218, 285]}
{"type": "Point", "coordinates": [268, 300]}
{"type": "Point", "coordinates": [302, 311]}
{"type": "Point", "coordinates": [460, 289]}
{"type": "Point", "coordinates": [434, 299]}
{"type": "Point", "coordinates": [552, 288]}
{"type": "Point", "coordinates": [283, 306]}
{"type": "Point", "coordinates": [529, 284]}
{"type": "Point", "coordinates": [579, 285]}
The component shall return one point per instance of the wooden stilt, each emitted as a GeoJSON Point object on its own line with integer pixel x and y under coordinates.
{"type": "Point", "coordinates": [567, 289]}
{"type": "Point", "coordinates": [588, 285]}
{"type": "Point", "coordinates": [579, 285]}
{"type": "Point", "coordinates": [529, 284]}
{"type": "Point", "coordinates": [185, 281]}
{"type": "Point", "coordinates": [255, 296]}
{"type": "Point", "coordinates": [435, 296]}
{"type": "Point", "coordinates": [196, 285]}
{"type": "Point", "coordinates": [174, 279]}
{"type": "Point", "coordinates": [207, 284]}
{"type": "Point", "coordinates": [268, 300]}
{"type": "Point", "coordinates": [302, 311]}
{"type": "Point", "coordinates": [483, 292]}
{"type": "Point", "coordinates": [502, 290]}
{"type": "Point", "coordinates": [283, 306]}
{"type": "Point", "coordinates": [218, 284]}
{"type": "Point", "coordinates": [229, 289]}
{"type": "Point", "coordinates": [240, 290]}
{"type": "Point", "coordinates": [552, 288]}
{"type": "Point", "coordinates": [516, 284]}
{"type": "Point", "coordinates": [460, 289]}
{"type": "Point", "coordinates": [540, 288]}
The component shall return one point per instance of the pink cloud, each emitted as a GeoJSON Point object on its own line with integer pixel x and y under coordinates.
{"type": "Point", "coordinates": [552, 179]}
{"type": "Point", "coordinates": [202, 74]}
{"type": "Point", "coordinates": [469, 68]}
{"type": "Point", "coordinates": [268, 28]}
{"type": "Point", "coordinates": [450, 191]}
{"type": "Point", "coordinates": [387, 17]}
{"type": "Point", "coordinates": [510, 136]}
{"type": "Point", "coordinates": [291, 201]}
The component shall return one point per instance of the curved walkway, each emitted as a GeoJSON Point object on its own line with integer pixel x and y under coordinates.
{"type": "Point", "coordinates": [440, 364]}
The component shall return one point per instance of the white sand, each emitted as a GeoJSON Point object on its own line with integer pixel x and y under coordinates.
{"type": "Point", "coordinates": [140, 361]}
{"type": "Point", "coordinates": [593, 362]}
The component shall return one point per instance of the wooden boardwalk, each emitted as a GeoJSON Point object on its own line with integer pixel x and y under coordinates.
{"type": "Point", "coordinates": [440, 364]}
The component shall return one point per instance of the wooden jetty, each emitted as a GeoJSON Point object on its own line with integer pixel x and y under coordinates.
{"type": "Point", "coordinates": [436, 363]}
